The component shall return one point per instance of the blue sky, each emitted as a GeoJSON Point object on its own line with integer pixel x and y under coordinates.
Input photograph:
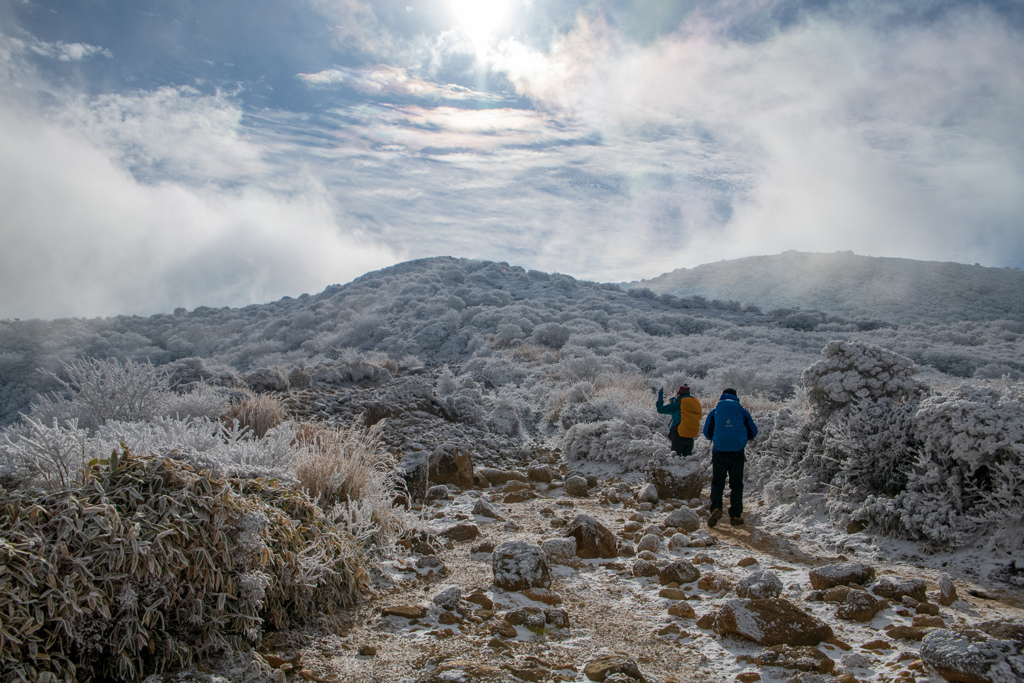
{"type": "Point", "coordinates": [226, 152]}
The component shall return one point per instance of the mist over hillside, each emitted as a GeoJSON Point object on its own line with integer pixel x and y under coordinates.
{"type": "Point", "coordinates": [842, 283]}
{"type": "Point", "coordinates": [510, 328]}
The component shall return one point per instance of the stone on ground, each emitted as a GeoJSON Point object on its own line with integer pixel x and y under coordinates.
{"type": "Point", "coordinates": [759, 585]}
{"type": "Point", "coordinates": [593, 539]}
{"type": "Point", "coordinates": [519, 565]}
{"type": "Point", "coordinates": [826, 577]}
{"type": "Point", "coordinates": [774, 621]}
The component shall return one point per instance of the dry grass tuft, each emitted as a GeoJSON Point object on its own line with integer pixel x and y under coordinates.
{"type": "Point", "coordinates": [259, 413]}
{"type": "Point", "coordinates": [148, 566]}
{"type": "Point", "coordinates": [341, 463]}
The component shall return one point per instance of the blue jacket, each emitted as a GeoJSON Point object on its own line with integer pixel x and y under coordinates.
{"type": "Point", "coordinates": [735, 432]}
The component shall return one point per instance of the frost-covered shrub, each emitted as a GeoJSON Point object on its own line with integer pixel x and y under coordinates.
{"type": "Point", "coordinates": [160, 602]}
{"type": "Point", "coordinates": [103, 390]}
{"type": "Point", "coordinates": [267, 379]}
{"type": "Point", "coordinates": [553, 335]}
{"type": "Point", "coordinates": [614, 441]}
{"type": "Point", "coordinates": [204, 401]}
{"type": "Point", "coordinates": [855, 371]}
{"type": "Point", "coordinates": [495, 372]}
{"type": "Point", "coordinates": [969, 475]}
{"type": "Point", "coordinates": [185, 374]}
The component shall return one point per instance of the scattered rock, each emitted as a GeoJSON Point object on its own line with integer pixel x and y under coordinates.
{"type": "Point", "coordinates": [649, 542]}
{"type": "Point", "coordinates": [715, 583]}
{"type": "Point", "coordinates": [593, 539]}
{"type": "Point", "coordinates": [678, 481]}
{"type": "Point", "coordinates": [600, 668]}
{"type": "Point", "coordinates": [576, 487]}
{"type": "Point", "coordinates": [498, 477]}
{"type": "Point", "coordinates": [448, 598]}
{"type": "Point", "coordinates": [544, 595]}
{"type": "Point", "coordinates": [904, 632]}
{"type": "Point", "coordinates": [895, 588]}
{"type": "Point", "coordinates": [748, 677]}
{"type": "Point", "coordinates": [803, 658]}
{"type": "Point", "coordinates": [672, 594]}
{"type": "Point", "coordinates": [927, 621]}
{"type": "Point", "coordinates": [759, 585]}
{"type": "Point", "coordinates": [644, 567]}
{"type": "Point", "coordinates": [530, 617]}
{"type": "Point", "coordinates": [648, 493]}
{"type": "Point", "coordinates": [831, 575]}
{"type": "Point", "coordinates": [684, 519]}
{"type": "Point", "coordinates": [678, 541]}
{"type": "Point", "coordinates": [520, 496]}
{"type": "Point", "coordinates": [439, 492]}
{"type": "Point", "coordinates": [367, 651]}
{"type": "Point", "coordinates": [877, 644]}
{"type": "Point", "coordinates": [682, 609]}
{"type": "Point", "coordinates": [929, 608]}
{"type": "Point", "coordinates": [449, 464]}
{"type": "Point", "coordinates": [404, 611]}
{"type": "Point", "coordinates": [678, 572]}
{"type": "Point", "coordinates": [560, 550]}
{"type": "Point", "coordinates": [484, 508]}
{"type": "Point", "coordinates": [702, 539]}
{"type": "Point", "coordinates": [461, 532]}
{"type": "Point", "coordinates": [746, 562]}
{"type": "Point", "coordinates": [702, 558]}
{"type": "Point", "coordinates": [485, 547]}
{"type": "Point", "coordinates": [774, 621]}
{"type": "Point", "coordinates": [480, 598]}
{"type": "Point", "coordinates": [541, 473]}
{"type": "Point", "coordinates": [947, 591]}
{"type": "Point", "coordinates": [860, 606]}
{"type": "Point", "coordinates": [992, 652]}
{"type": "Point", "coordinates": [518, 565]}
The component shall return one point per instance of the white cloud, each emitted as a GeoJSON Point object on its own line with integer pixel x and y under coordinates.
{"type": "Point", "coordinates": [900, 142]}
{"type": "Point", "coordinates": [202, 220]}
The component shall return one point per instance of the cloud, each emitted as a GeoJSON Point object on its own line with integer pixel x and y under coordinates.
{"type": "Point", "coordinates": [387, 80]}
{"type": "Point", "coordinates": [897, 140]}
{"type": "Point", "coordinates": [139, 203]}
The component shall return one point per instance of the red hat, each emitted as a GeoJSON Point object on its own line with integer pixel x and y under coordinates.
{"type": "Point", "coordinates": [685, 389]}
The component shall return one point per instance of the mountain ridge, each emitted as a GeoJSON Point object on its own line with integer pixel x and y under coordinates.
{"type": "Point", "coordinates": [843, 283]}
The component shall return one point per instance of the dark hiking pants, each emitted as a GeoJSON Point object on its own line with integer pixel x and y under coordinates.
{"type": "Point", "coordinates": [727, 464]}
{"type": "Point", "coordinates": [680, 444]}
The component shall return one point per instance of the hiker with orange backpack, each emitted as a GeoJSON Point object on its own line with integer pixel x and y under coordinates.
{"type": "Point", "coordinates": [686, 413]}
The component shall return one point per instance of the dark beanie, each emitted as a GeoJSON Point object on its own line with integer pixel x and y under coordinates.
{"type": "Point", "coordinates": [730, 391]}
{"type": "Point", "coordinates": [685, 389]}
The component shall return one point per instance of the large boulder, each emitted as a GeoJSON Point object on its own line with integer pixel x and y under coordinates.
{"type": "Point", "coordinates": [684, 520]}
{"type": "Point", "coordinates": [759, 585]}
{"type": "Point", "coordinates": [774, 621]}
{"type": "Point", "coordinates": [682, 482]}
{"type": "Point", "coordinates": [449, 464]}
{"type": "Point", "coordinates": [593, 539]}
{"type": "Point", "coordinates": [519, 565]}
{"type": "Point", "coordinates": [823, 578]}
{"type": "Point", "coordinates": [576, 486]}
{"type": "Point", "coordinates": [994, 651]}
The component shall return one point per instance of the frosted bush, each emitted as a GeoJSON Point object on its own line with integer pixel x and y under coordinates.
{"type": "Point", "coordinates": [855, 371]}
{"type": "Point", "coordinates": [553, 335]}
{"type": "Point", "coordinates": [109, 390]}
{"type": "Point", "coordinates": [505, 418]}
{"type": "Point", "coordinates": [267, 379]}
{"type": "Point", "coordinates": [204, 401]}
{"type": "Point", "coordinates": [614, 441]}
{"type": "Point", "coordinates": [52, 456]}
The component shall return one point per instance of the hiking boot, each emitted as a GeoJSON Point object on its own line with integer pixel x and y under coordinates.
{"type": "Point", "coordinates": [715, 516]}
{"type": "Point", "coordinates": [736, 521]}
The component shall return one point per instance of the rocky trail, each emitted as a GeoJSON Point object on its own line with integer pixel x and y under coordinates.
{"type": "Point", "coordinates": [544, 574]}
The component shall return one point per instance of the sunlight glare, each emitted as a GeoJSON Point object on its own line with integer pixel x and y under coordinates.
{"type": "Point", "coordinates": [480, 19]}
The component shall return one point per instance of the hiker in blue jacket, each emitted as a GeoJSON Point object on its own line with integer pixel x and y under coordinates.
{"type": "Point", "coordinates": [729, 427]}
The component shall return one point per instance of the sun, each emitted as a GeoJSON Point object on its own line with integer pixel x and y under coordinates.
{"type": "Point", "coordinates": [480, 19]}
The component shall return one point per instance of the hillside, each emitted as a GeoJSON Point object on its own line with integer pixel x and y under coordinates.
{"type": "Point", "coordinates": [333, 482]}
{"type": "Point", "coordinates": [890, 289]}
